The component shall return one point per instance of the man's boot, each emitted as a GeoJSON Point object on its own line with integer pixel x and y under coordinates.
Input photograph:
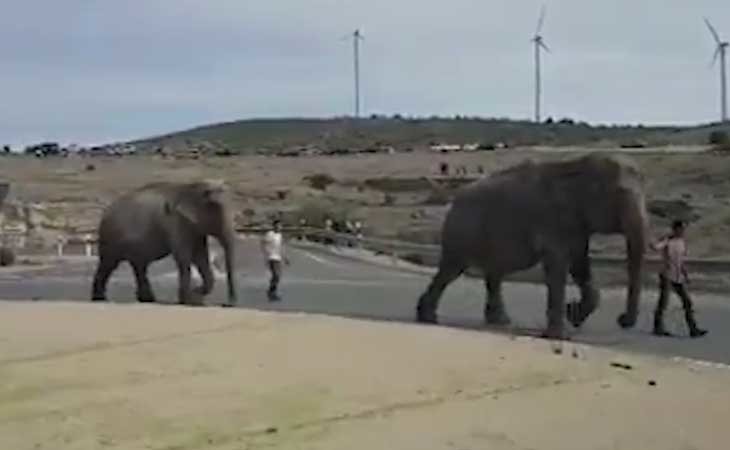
{"type": "Point", "coordinates": [659, 329]}
{"type": "Point", "coordinates": [694, 330]}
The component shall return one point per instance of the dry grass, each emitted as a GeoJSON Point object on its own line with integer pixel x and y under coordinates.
{"type": "Point", "coordinates": [699, 179]}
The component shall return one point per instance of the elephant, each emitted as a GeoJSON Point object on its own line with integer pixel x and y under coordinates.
{"type": "Point", "coordinates": [163, 218]}
{"type": "Point", "coordinates": [544, 212]}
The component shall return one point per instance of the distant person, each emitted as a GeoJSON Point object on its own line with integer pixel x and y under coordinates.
{"type": "Point", "coordinates": [358, 232]}
{"type": "Point", "coordinates": [674, 274]}
{"type": "Point", "coordinates": [328, 228]}
{"type": "Point", "coordinates": [272, 245]}
{"type": "Point", "coordinates": [303, 227]}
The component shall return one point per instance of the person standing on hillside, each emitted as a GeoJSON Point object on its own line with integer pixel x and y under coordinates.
{"type": "Point", "coordinates": [674, 274]}
{"type": "Point", "coordinates": [272, 245]}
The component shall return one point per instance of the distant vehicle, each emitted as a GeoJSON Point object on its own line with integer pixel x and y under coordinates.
{"type": "Point", "coordinates": [44, 149]}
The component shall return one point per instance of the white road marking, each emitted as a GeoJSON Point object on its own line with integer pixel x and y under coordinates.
{"type": "Point", "coordinates": [319, 259]}
{"type": "Point", "coordinates": [395, 272]}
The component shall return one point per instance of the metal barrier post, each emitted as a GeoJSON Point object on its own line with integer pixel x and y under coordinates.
{"type": "Point", "coordinates": [87, 240]}
{"type": "Point", "coordinates": [59, 245]}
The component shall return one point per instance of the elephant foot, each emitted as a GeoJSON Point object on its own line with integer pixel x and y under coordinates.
{"type": "Point", "coordinates": [426, 317]}
{"type": "Point", "coordinates": [499, 318]}
{"type": "Point", "coordinates": [626, 321]}
{"type": "Point", "coordinates": [98, 298]}
{"type": "Point", "coordinates": [575, 314]}
{"type": "Point", "coordinates": [201, 291]}
{"type": "Point", "coordinates": [146, 297]}
{"type": "Point", "coordinates": [555, 333]}
{"type": "Point", "coordinates": [193, 300]}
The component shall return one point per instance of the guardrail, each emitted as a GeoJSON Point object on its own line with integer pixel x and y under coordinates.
{"type": "Point", "coordinates": [429, 253]}
{"type": "Point", "coordinates": [423, 254]}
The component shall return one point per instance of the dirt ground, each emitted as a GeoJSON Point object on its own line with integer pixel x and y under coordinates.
{"type": "Point", "coordinates": [80, 376]}
{"type": "Point", "coordinates": [695, 184]}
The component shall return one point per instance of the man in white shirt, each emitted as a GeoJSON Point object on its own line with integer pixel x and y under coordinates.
{"type": "Point", "coordinates": [674, 274]}
{"type": "Point", "coordinates": [272, 245]}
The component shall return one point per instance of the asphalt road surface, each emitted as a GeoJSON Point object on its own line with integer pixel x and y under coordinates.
{"type": "Point", "coordinates": [319, 282]}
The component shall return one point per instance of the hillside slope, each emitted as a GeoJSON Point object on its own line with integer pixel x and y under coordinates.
{"type": "Point", "coordinates": [268, 135]}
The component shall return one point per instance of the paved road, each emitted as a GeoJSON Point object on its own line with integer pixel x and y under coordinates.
{"type": "Point", "coordinates": [319, 282]}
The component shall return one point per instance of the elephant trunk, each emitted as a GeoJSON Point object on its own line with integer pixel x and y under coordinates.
{"type": "Point", "coordinates": [228, 242]}
{"type": "Point", "coordinates": [635, 226]}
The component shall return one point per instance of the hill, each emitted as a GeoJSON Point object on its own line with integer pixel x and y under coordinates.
{"type": "Point", "coordinates": [272, 135]}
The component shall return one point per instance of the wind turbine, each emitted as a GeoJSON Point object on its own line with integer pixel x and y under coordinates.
{"type": "Point", "coordinates": [539, 45]}
{"type": "Point", "coordinates": [356, 38]}
{"type": "Point", "coordinates": [721, 50]}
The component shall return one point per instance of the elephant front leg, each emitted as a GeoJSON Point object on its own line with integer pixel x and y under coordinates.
{"type": "Point", "coordinates": [429, 300]}
{"type": "Point", "coordinates": [144, 289]}
{"type": "Point", "coordinates": [184, 293]}
{"type": "Point", "coordinates": [580, 270]}
{"type": "Point", "coordinates": [104, 270]}
{"type": "Point", "coordinates": [201, 259]}
{"type": "Point", "coordinates": [556, 274]}
{"type": "Point", "coordinates": [494, 310]}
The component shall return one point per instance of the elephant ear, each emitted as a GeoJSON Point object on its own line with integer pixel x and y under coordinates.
{"type": "Point", "coordinates": [188, 209]}
{"type": "Point", "coordinates": [564, 187]}
{"type": "Point", "coordinates": [194, 202]}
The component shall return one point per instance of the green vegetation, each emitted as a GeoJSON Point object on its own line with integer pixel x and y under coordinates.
{"type": "Point", "coordinates": [272, 135]}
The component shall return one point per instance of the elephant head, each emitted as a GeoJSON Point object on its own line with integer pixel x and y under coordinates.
{"type": "Point", "coordinates": [204, 205]}
{"type": "Point", "coordinates": [612, 201]}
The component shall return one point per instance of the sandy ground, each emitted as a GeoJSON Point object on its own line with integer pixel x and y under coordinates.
{"type": "Point", "coordinates": [85, 376]}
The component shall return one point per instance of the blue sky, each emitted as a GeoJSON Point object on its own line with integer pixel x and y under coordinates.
{"type": "Point", "coordinates": [92, 71]}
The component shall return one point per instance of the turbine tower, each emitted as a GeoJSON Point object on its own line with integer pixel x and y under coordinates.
{"type": "Point", "coordinates": [539, 46]}
{"type": "Point", "coordinates": [356, 38]}
{"type": "Point", "coordinates": [721, 51]}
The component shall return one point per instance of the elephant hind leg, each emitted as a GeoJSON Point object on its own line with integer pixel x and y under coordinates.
{"type": "Point", "coordinates": [104, 269]}
{"type": "Point", "coordinates": [580, 271]}
{"type": "Point", "coordinates": [448, 271]}
{"type": "Point", "coordinates": [555, 266]}
{"type": "Point", "coordinates": [494, 311]}
{"type": "Point", "coordinates": [144, 289]}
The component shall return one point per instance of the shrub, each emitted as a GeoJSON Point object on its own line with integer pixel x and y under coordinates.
{"type": "Point", "coordinates": [437, 197]}
{"type": "Point", "coordinates": [720, 138]}
{"type": "Point", "coordinates": [319, 181]}
{"type": "Point", "coordinates": [315, 212]}
{"type": "Point", "coordinates": [7, 257]}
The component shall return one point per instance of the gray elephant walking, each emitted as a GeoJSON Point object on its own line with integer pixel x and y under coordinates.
{"type": "Point", "coordinates": [163, 218]}
{"type": "Point", "coordinates": [544, 212]}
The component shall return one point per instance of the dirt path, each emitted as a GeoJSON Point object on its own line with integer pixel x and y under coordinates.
{"type": "Point", "coordinates": [85, 376]}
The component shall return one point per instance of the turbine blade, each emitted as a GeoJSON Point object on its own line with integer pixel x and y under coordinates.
{"type": "Point", "coordinates": [541, 20]}
{"type": "Point", "coordinates": [714, 57]}
{"type": "Point", "coordinates": [543, 45]}
{"type": "Point", "coordinates": [713, 31]}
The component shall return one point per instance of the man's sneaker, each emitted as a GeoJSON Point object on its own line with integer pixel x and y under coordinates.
{"type": "Point", "coordinates": [661, 332]}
